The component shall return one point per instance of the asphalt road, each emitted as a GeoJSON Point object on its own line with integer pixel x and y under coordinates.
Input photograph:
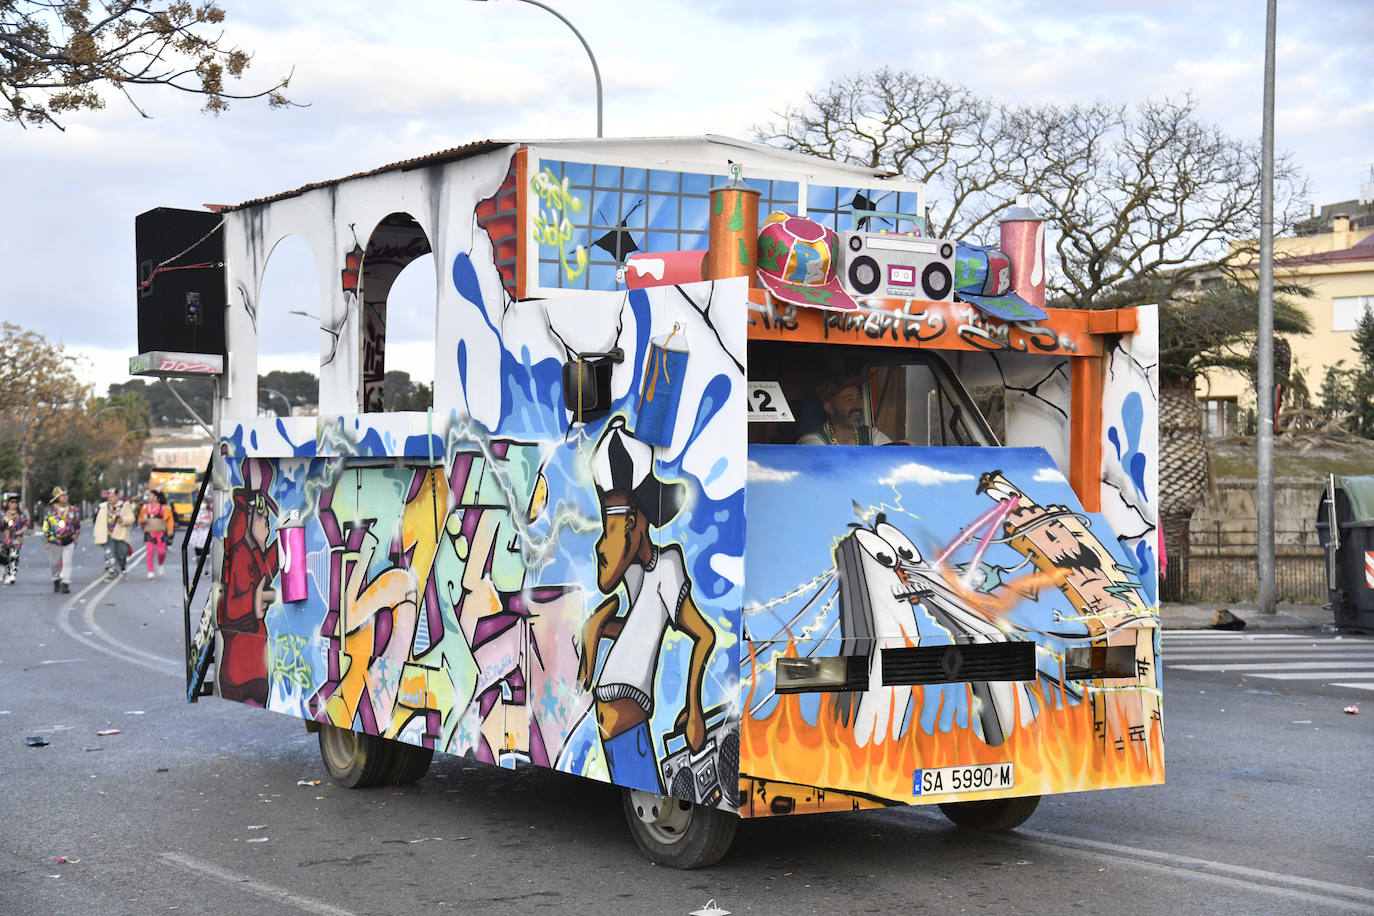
{"type": "Point", "coordinates": [213, 808]}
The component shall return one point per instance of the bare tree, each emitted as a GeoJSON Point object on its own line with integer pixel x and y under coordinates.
{"type": "Point", "coordinates": [56, 56]}
{"type": "Point", "coordinates": [39, 393]}
{"type": "Point", "coordinates": [1127, 193]}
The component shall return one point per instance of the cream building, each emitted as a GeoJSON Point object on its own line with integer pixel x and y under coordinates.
{"type": "Point", "coordinates": [1339, 267]}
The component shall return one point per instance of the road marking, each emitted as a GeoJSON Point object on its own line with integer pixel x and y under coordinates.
{"type": "Point", "coordinates": [106, 643]}
{"type": "Point", "coordinates": [253, 886]}
{"type": "Point", "coordinates": [1266, 666]}
{"type": "Point", "coordinates": [1343, 662]}
{"type": "Point", "coordinates": [1323, 893]}
{"type": "Point", "coordinates": [1313, 676]}
{"type": "Point", "coordinates": [88, 616]}
{"type": "Point", "coordinates": [1272, 653]}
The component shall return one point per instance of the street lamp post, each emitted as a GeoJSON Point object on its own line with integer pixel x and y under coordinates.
{"type": "Point", "coordinates": [1267, 591]}
{"type": "Point", "coordinates": [283, 397]}
{"type": "Point", "coordinates": [596, 71]}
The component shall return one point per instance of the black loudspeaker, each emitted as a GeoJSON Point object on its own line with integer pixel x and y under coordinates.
{"type": "Point", "coordinates": [896, 266]}
{"type": "Point", "coordinates": [181, 292]}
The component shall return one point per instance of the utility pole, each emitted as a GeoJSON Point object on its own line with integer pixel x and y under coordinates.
{"type": "Point", "coordinates": [1265, 393]}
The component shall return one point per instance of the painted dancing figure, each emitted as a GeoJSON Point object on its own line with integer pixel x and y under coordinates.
{"type": "Point", "coordinates": [658, 594]}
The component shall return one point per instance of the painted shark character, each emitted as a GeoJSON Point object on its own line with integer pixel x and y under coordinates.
{"type": "Point", "coordinates": [890, 595]}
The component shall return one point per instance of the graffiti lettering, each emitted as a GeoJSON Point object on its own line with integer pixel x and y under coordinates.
{"type": "Point", "coordinates": [550, 224]}
{"type": "Point", "coordinates": [396, 254]}
{"type": "Point", "coordinates": [182, 365]}
{"type": "Point", "coordinates": [289, 662]}
{"type": "Point", "coordinates": [783, 318]}
{"type": "Point", "coordinates": [937, 322]}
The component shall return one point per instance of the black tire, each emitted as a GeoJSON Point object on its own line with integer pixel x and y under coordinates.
{"type": "Point", "coordinates": [992, 816]}
{"type": "Point", "coordinates": [354, 760]}
{"type": "Point", "coordinates": [408, 763]}
{"type": "Point", "coordinates": [676, 833]}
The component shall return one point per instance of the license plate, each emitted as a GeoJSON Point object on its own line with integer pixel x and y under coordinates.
{"type": "Point", "coordinates": [944, 780]}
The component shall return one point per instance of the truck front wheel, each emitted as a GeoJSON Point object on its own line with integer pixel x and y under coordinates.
{"type": "Point", "coordinates": [992, 816]}
{"type": "Point", "coordinates": [676, 833]}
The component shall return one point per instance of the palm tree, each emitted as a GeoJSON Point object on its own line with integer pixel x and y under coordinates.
{"type": "Point", "coordinates": [1212, 329]}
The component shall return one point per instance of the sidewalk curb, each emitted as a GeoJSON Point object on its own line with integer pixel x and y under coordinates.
{"type": "Point", "coordinates": [1296, 617]}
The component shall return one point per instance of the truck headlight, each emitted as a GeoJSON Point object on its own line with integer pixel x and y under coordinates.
{"type": "Point", "coordinates": [833, 672]}
{"type": "Point", "coordinates": [1084, 663]}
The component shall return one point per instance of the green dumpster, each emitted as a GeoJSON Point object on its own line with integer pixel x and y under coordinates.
{"type": "Point", "coordinates": [1345, 528]}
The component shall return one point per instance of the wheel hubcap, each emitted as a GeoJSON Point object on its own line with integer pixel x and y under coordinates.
{"type": "Point", "coordinates": [666, 819]}
{"type": "Point", "coordinates": [339, 746]}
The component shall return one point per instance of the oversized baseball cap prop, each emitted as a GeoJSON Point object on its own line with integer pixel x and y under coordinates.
{"type": "Point", "coordinates": [796, 263]}
{"type": "Point", "coordinates": [982, 277]}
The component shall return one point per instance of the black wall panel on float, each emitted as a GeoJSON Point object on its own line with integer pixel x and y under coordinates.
{"type": "Point", "coordinates": [180, 303]}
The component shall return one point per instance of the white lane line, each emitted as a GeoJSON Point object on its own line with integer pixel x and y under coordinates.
{"type": "Point", "coordinates": [1355, 685]}
{"type": "Point", "coordinates": [1233, 635]}
{"type": "Point", "coordinates": [88, 617]}
{"type": "Point", "coordinates": [1271, 653]}
{"type": "Point", "coordinates": [1315, 676]}
{"type": "Point", "coordinates": [1178, 867]}
{"type": "Point", "coordinates": [1323, 893]}
{"type": "Point", "coordinates": [118, 650]}
{"type": "Point", "coordinates": [1260, 657]}
{"type": "Point", "coordinates": [253, 886]}
{"type": "Point", "coordinates": [1266, 666]}
{"type": "Point", "coordinates": [1250, 637]}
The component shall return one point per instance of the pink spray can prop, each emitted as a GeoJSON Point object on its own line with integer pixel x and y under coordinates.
{"type": "Point", "coordinates": [1023, 241]}
{"type": "Point", "coordinates": [291, 543]}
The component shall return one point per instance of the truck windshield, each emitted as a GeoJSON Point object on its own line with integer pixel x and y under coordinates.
{"type": "Point", "coordinates": [909, 397]}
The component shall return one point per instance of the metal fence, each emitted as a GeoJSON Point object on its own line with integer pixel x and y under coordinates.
{"type": "Point", "coordinates": [1223, 563]}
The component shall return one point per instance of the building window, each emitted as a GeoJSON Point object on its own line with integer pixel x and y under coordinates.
{"type": "Point", "coordinates": [1218, 417]}
{"type": "Point", "coordinates": [1346, 311]}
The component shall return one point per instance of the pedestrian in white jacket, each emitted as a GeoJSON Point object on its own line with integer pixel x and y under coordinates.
{"type": "Point", "coordinates": [113, 520]}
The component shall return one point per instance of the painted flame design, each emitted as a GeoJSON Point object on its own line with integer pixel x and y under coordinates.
{"type": "Point", "coordinates": [1059, 751]}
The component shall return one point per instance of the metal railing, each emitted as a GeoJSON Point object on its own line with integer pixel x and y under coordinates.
{"type": "Point", "coordinates": [196, 667]}
{"type": "Point", "coordinates": [1223, 563]}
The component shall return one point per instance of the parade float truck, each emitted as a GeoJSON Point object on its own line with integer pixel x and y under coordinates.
{"type": "Point", "coordinates": [604, 549]}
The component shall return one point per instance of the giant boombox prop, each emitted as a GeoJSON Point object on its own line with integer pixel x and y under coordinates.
{"type": "Point", "coordinates": [890, 266]}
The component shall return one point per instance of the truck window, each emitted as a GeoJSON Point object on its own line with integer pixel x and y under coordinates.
{"type": "Point", "coordinates": [910, 397]}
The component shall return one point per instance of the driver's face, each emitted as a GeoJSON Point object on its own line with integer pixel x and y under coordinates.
{"type": "Point", "coordinates": [846, 407]}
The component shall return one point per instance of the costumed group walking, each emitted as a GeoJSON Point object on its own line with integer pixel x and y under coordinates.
{"type": "Point", "coordinates": [114, 519]}
{"type": "Point", "coordinates": [118, 515]}
{"type": "Point", "coordinates": [14, 521]}
{"type": "Point", "coordinates": [61, 530]}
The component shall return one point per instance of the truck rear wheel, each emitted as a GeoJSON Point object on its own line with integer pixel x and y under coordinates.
{"type": "Point", "coordinates": [354, 760]}
{"type": "Point", "coordinates": [408, 762]}
{"type": "Point", "coordinates": [676, 833]}
{"type": "Point", "coordinates": [992, 816]}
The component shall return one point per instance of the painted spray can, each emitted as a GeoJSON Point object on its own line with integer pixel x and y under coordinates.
{"type": "Point", "coordinates": [734, 232]}
{"type": "Point", "coordinates": [664, 375]}
{"type": "Point", "coordinates": [291, 543]}
{"type": "Point", "coordinates": [1023, 241]}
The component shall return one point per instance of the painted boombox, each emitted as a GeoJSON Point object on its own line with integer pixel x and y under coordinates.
{"type": "Point", "coordinates": [703, 776]}
{"type": "Point", "coordinates": [894, 266]}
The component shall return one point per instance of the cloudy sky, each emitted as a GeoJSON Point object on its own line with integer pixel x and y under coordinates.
{"type": "Point", "coordinates": [391, 81]}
